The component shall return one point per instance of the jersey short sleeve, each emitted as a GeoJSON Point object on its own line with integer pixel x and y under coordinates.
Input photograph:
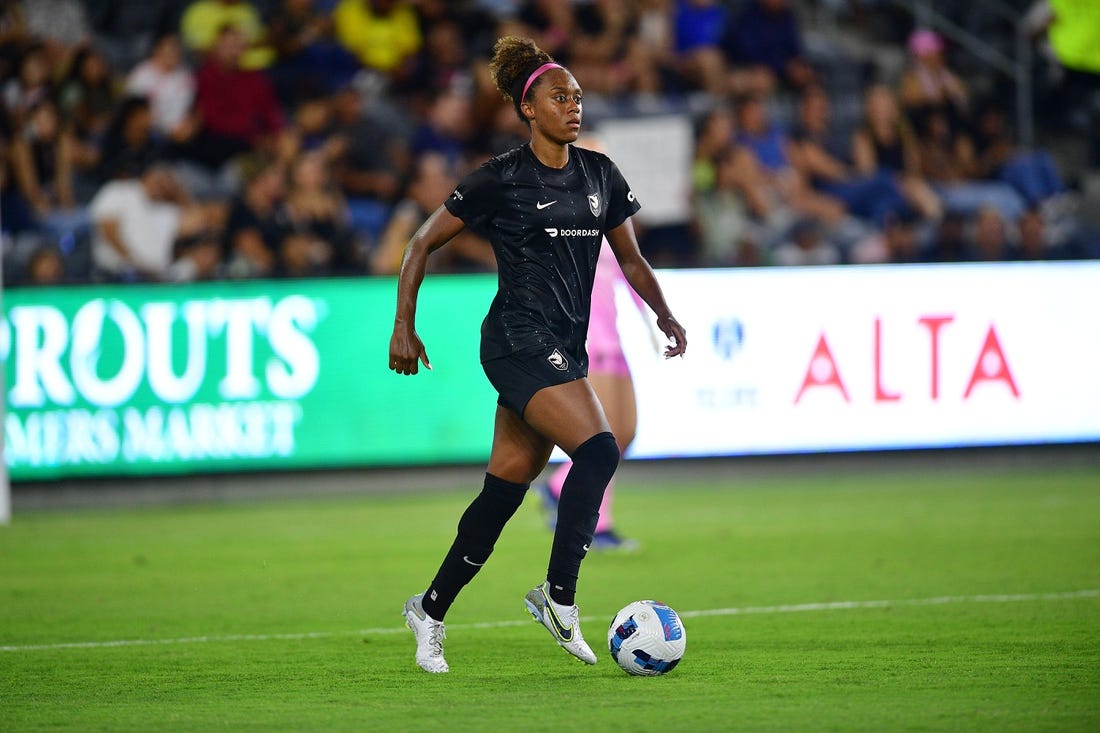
{"type": "Point", "coordinates": [621, 202]}
{"type": "Point", "coordinates": [475, 199]}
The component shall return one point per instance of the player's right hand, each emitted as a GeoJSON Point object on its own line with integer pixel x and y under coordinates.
{"type": "Point", "coordinates": [406, 351]}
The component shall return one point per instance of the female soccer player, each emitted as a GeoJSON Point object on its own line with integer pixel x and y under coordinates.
{"type": "Point", "coordinates": [545, 208]}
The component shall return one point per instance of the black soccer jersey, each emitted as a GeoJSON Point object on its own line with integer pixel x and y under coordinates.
{"type": "Point", "coordinates": [546, 226]}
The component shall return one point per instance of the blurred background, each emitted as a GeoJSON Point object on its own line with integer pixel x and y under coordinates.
{"type": "Point", "coordinates": [878, 219]}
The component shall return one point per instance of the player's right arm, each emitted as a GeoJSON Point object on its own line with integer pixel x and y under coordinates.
{"type": "Point", "coordinates": [406, 348]}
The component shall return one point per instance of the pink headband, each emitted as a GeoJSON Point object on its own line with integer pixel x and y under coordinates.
{"type": "Point", "coordinates": [536, 74]}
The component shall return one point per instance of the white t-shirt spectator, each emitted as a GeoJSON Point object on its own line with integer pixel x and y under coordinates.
{"type": "Point", "coordinates": [170, 94]}
{"type": "Point", "coordinates": [148, 228]}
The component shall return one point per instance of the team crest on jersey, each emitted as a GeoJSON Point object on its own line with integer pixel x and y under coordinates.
{"type": "Point", "coordinates": [558, 361]}
{"type": "Point", "coordinates": [594, 204]}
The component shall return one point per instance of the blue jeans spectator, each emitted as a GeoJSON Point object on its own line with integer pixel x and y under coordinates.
{"type": "Point", "coordinates": [1033, 175]}
{"type": "Point", "coordinates": [967, 197]}
{"type": "Point", "coordinates": [873, 198]}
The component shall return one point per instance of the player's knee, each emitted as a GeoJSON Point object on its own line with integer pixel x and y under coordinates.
{"type": "Point", "coordinates": [599, 455]}
{"type": "Point", "coordinates": [507, 495]}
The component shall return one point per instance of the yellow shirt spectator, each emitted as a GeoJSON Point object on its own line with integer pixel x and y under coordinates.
{"type": "Point", "coordinates": [382, 33]}
{"type": "Point", "coordinates": [203, 19]}
{"type": "Point", "coordinates": [1075, 35]}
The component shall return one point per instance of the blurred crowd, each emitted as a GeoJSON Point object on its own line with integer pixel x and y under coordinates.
{"type": "Point", "coordinates": [178, 140]}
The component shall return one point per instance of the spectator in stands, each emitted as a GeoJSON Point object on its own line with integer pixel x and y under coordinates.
{"type": "Point", "coordinates": [59, 25]}
{"type": "Point", "coordinates": [448, 128]}
{"type": "Point", "coordinates": [765, 37]}
{"type": "Point", "coordinates": [818, 154]}
{"type": "Point", "coordinates": [605, 53]}
{"type": "Point", "coordinates": [1031, 238]}
{"type": "Point", "coordinates": [1031, 173]}
{"type": "Point", "coordinates": [770, 148]}
{"type": "Point", "coordinates": [726, 235]}
{"type": "Point", "coordinates": [137, 224]}
{"type": "Point", "coordinates": [374, 160]}
{"type": "Point", "coordinates": [698, 33]}
{"type": "Point", "coordinates": [896, 243]}
{"type": "Point", "coordinates": [548, 22]}
{"type": "Point", "coordinates": [29, 86]}
{"type": "Point", "coordinates": [442, 64]}
{"type": "Point", "coordinates": [700, 61]}
{"type": "Point", "coordinates": [928, 85]}
{"type": "Point", "coordinates": [257, 220]}
{"type": "Point", "coordinates": [656, 34]}
{"type": "Point", "coordinates": [315, 208]}
{"type": "Point", "coordinates": [45, 267]}
{"type": "Point", "coordinates": [311, 130]}
{"type": "Point", "coordinates": [128, 147]}
{"type": "Point", "coordinates": [886, 142]}
{"type": "Point", "coordinates": [433, 183]}
{"type": "Point", "coordinates": [302, 254]}
{"type": "Point", "coordinates": [949, 242]}
{"type": "Point", "coordinates": [948, 162]}
{"type": "Point", "coordinates": [170, 87]}
{"type": "Point", "coordinates": [41, 162]}
{"type": "Point", "coordinates": [806, 246]}
{"type": "Point", "coordinates": [308, 58]}
{"type": "Point", "coordinates": [713, 136]}
{"type": "Point", "coordinates": [990, 235]}
{"type": "Point", "coordinates": [771, 216]}
{"type": "Point", "coordinates": [204, 20]}
{"type": "Point", "coordinates": [13, 27]}
{"type": "Point", "coordinates": [383, 34]}
{"type": "Point", "coordinates": [237, 107]}
{"type": "Point", "coordinates": [87, 100]}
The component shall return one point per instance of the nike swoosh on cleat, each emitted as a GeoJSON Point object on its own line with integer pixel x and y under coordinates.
{"type": "Point", "coordinates": [468, 561]}
{"type": "Point", "coordinates": [563, 632]}
{"type": "Point", "coordinates": [541, 206]}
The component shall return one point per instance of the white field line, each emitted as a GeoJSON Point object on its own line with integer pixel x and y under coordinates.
{"type": "Point", "coordinates": [743, 611]}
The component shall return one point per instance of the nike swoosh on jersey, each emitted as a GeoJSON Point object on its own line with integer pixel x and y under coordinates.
{"type": "Point", "coordinates": [541, 206]}
{"type": "Point", "coordinates": [468, 561]}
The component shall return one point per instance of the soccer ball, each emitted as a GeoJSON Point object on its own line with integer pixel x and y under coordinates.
{"type": "Point", "coordinates": [647, 638]}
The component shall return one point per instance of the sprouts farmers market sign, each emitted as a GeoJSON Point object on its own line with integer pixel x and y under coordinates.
{"type": "Point", "coordinates": [237, 375]}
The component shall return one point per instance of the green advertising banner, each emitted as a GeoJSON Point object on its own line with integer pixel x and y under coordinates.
{"type": "Point", "coordinates": [111, 380]}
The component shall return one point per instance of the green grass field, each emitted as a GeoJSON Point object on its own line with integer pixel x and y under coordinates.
{"type": "Point", "coordinates": [286, 614]}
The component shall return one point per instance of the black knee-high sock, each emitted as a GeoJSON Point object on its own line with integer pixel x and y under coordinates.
{"type": "Point", "coordinates": [478, 531]}
{"type": "Point", "coordinates": [594, 464]}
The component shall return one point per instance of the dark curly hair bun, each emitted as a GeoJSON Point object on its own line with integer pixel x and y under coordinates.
{"type": "Point", "coordinates": [514, 59]}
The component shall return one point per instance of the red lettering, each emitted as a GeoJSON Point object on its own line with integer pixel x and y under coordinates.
{"type": "Point", "coordinates": [934, 324]}
{"type": "Point", "coordinates": [881, 395]}
{"type": "Point", "coordinates": [992, 366]}
{"type": "Point", "coordinates": [822, 371]}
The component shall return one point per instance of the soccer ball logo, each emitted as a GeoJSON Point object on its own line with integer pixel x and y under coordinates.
{"type": "Point", "coordinates": [647, 638]}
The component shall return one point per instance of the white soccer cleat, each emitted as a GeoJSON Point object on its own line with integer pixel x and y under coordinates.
{"type": "Point", "coordinates": [563, 622]}
{"type": "Point", "coordinates": [429, 635]}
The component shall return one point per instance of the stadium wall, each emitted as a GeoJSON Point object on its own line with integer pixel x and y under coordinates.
{"type": "Point", "coordinates": [272, 375]}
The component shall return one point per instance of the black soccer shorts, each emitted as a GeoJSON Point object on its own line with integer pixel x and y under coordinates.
{"type": "Point", "coordinates": [518, 376]}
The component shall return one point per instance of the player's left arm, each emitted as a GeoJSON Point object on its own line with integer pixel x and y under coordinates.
{"type": "Point", "coordinates": [644, 282]}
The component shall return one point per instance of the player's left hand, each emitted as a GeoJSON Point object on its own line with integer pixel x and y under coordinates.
{"type": "Point", "coordinates": [672, 329]}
